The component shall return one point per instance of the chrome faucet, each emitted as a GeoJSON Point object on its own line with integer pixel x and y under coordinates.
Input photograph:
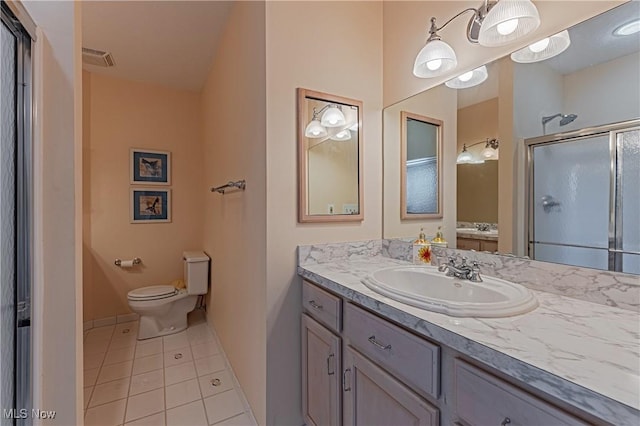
{"type": "Point", "coordinates": [462, 270]}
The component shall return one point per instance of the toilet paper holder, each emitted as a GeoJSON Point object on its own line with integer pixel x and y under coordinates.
{"type": "Point", "coordinates": [136, 261]}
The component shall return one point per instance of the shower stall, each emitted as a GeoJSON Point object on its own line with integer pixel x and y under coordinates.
{"type": "Point", "coordinates": [583, 197]}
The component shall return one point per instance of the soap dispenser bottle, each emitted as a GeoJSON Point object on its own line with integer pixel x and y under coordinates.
{"type": "Point", "coordinates": [421, 249]}
{"type": "Point", "coordinates": [439, 241]}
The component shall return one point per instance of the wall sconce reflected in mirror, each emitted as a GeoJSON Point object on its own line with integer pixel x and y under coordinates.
{"type": "Point", "coordinates": [543, 49]}
{"type": "Point", "coordinates": [330, 125]}
{"type": "Point", "coordinates": [469, 79]}
{"type": "Point", "coordinates": [494, 23]}
{"type": "Point", "coordinates": [490, 152]}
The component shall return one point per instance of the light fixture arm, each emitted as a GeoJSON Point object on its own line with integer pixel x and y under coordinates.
{"type": "Point", "coordinates": [324, 108]}
{"type": "Point", "coordinates": [492, 143]}
{"type": "Point", "coordinates": [474, 24]}
{"type": "Point", "coordinates": [435, 28]}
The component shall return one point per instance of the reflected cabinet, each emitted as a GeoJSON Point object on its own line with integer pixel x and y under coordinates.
{"type": "Point", "coordinates": [329, 158]}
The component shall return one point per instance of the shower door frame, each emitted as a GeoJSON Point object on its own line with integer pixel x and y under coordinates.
{"type": "Point", "coordinates": [614, 249]}
{"type": "Point", "coordinates": [23, 29]}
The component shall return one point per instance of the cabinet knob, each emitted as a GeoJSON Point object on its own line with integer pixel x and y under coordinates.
{"type": "Point", "coordinates": [506, 421]}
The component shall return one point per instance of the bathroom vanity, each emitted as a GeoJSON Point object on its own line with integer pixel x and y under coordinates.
{"type": "Point", "coordinates": [367, 359]}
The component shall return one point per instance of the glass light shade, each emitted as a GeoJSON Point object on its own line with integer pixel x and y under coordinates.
{"type": "Point", "coordinates": [333, 117]}
{"type": "Point", "coordinates": [435, 58]}
{"type": "Point", "coordinates": [507, 21]}
{"type": "Point", "coordinates": [315, 130]}
{"type": "Point", "coordinates": [354, 127]}
{"type": "Point", "coordinates": [342, 135]}
{"type": "Point", "coordinates": [478, 76]}
{"type": "Point", "coordinates": [464, 157]}
{"type": "Point", "coordinates": [558, 43]}
{"type": "Point", "coordinates": [489, 153]}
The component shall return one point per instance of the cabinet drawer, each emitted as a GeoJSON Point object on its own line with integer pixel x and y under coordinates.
{"type": "Point", "coordinates": [321, 305]}
{"type": "Point", "coordinates": [483, 399]}
{"type": "Point", "coordinates": [412, 359]}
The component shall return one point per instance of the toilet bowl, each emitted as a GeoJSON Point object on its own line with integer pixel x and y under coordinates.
{"type": "Point", "coordinates": [163, 309]}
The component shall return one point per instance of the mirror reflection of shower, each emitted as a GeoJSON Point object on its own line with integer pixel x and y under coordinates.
{"type": "Point", "coordinates": [564, 120]}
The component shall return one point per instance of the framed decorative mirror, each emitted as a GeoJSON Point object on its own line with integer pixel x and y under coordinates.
{"type": "Point", "coordinates": [420, 167]}
{"type": "Point", "coordinates": [329, 158]}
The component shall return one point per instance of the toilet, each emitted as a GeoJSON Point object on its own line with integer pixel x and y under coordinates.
{"type": "Point", "coordinates": [163, 309]}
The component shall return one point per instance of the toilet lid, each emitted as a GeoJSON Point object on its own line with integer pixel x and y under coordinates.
{"type": "Point", "coordinates": [152, 292]}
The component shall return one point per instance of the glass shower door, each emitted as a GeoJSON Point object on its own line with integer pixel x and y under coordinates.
{"type": "Point", "coordinates": [626, 254]}
{"type": "Point", "coordinates": [7, 221]}
{"type": "Point", "coordinates": [570, 202]}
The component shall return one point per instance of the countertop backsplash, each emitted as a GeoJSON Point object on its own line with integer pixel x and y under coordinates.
{"type": "Point", "coordinates": [591, 285]}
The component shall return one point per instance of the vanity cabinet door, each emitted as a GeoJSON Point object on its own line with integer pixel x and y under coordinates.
{"type": "Point", "coordinates": [467, 244]}
{"type": "Point", "coordinates": [321, 353]}
{"type": "Point", "coordinates": [372, 397]}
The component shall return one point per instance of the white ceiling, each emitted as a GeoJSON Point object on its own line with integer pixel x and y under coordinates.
{"type": "Point", "coordinates": [171, 43]}
{"type": "Point", "coordinates": [593, 42]}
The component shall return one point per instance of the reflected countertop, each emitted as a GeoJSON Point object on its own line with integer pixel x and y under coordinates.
{"type": "Point", "coordinates": [473, 233]}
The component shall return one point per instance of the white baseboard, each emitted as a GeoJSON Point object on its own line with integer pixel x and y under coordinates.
{"type": "Point", "coordinates": [118, 319]}
{"type": "Point", "coordinates": [127, 318]}
{"type": "Point", "coordinates": [104, 321]}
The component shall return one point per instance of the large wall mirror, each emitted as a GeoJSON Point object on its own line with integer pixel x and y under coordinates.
{"type": "Point", "coordinates": [329, 158]}
{"type": "Point", "coordinates": [421, 148]}
{"type": "Point", "coordinates": [566, 123]}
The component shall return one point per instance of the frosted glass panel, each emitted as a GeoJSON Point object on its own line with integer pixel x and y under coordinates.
{"type": "Point", "coordinates": [422, 185]}
{"type": "Point", "coordinates": [571, 192]}
{"type": "Point", "coordinates": [631, 263]}
{"type": "Point", "coordinates": [590, 258]}
{"type": "Point", "coordinates": [629, 164]}
{"type": "Point", "coordinates": [7, 219]}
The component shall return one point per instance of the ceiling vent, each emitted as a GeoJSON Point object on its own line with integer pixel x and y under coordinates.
{"type": "Point", "coordinates": [97, 57]}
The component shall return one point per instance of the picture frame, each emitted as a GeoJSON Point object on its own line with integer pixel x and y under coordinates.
{"type": "Point", "coordinates": [150, 205]}
{"type": "Point", "coordinates": [150, 167]}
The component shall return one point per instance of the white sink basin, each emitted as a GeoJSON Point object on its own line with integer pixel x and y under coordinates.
{"type": "Point", "coordinates": [427, 288]}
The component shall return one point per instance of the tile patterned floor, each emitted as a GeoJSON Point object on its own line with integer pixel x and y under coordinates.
{"type": "Point", "coordinates": [178, 380]}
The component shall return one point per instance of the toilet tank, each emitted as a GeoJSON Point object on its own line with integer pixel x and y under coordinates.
{"type": "Point", "coordinates": [196, 271]}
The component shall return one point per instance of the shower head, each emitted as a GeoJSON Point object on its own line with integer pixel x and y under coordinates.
{"type": "Point", "coordinates": [568, 118]}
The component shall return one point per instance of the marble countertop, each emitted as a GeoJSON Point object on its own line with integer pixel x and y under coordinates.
{"type": "Point", "coordinates": [582, 353]}
{"type": "Point", "coordinates": [477, 235]}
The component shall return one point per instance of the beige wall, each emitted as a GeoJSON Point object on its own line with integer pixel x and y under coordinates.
{"type": "Point", "coordinates": [439, 103]}
{"type": "Point", "coordinates": [477, 187]}
{"type": "Point", "coordinates": [234, 233]}
{"type": "Point", "coordinates": [57, 197]}
{"type": "Point", "coordinates": [406, 25]}
{"type": "Point", "coordinates": [125, 114]}
{"type": "Point", "coordinates": [348, 36]}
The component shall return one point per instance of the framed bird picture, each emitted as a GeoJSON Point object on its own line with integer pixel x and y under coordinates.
{"type": "Point", "coordinates": [150, 205]}
{"type": "Point", "coordinates": [150, 167]}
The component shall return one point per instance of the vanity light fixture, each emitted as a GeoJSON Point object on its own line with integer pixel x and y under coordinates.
{"type": "Point", "coordinates": [494, 23]}
{"type": "Point", "coordinates": [469, 79]}
{"type": "Point", "coordinates": [332, 117]}
{"type": "Point", "coordinates": [465, 156]}
{"type": "Point", "coordinates": [543, 49]}
{"type": "Point", "coordinates": [342, 135]}
{"type": "Point", "coordinates": [627, 29]}
{"type": "Point", "coordinates": [488, 153]}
